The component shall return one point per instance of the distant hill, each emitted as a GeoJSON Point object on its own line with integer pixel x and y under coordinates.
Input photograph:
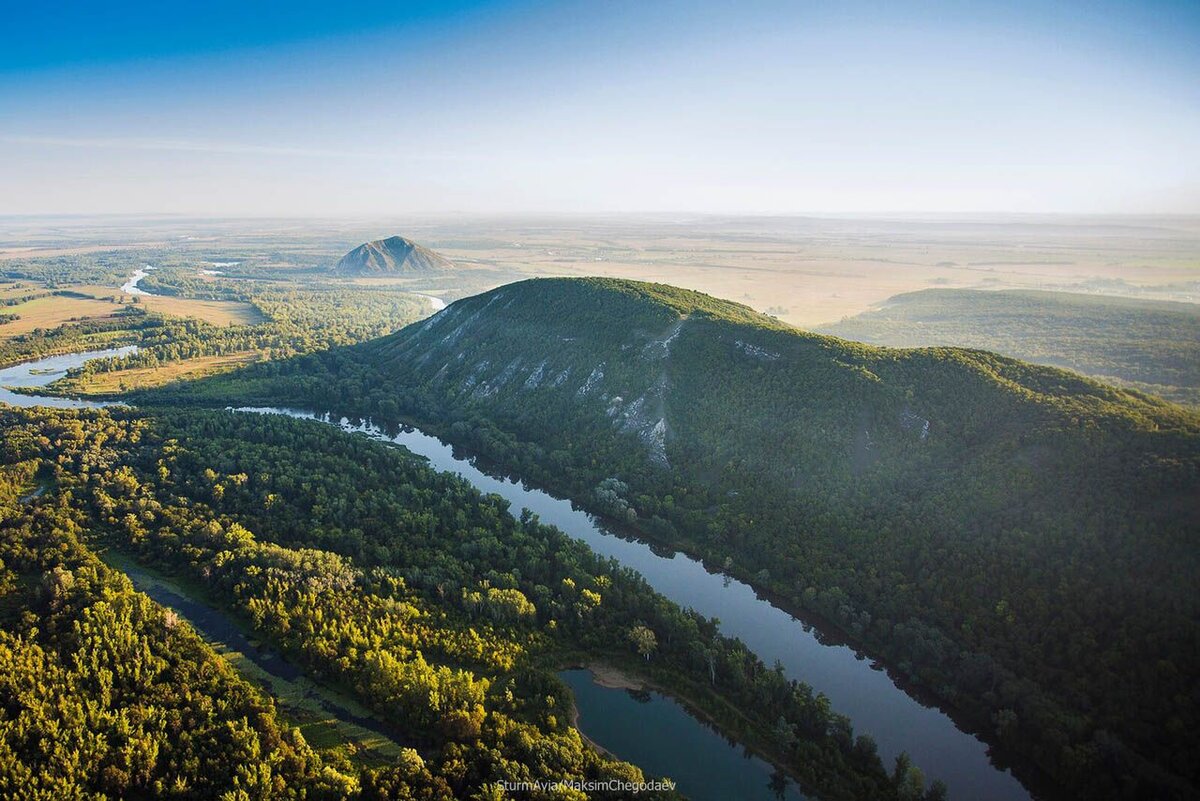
{"type": "Point", "coordinates": [1149, 345]}
{"type": "Point", "coordinates": [392, 255]}
{"type": "Point", "coordinates": [1018, 540]}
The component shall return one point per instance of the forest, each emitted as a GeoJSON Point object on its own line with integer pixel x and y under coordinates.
{"type": "Point", "coordinates": [427, 601]}
{"type": "Point", "coordinates": [911, 499]}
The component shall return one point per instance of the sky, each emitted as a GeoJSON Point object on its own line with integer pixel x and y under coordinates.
{"type": "Point", "coordinates": [270, 108]}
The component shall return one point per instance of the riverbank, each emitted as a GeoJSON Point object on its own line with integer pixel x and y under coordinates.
{"type": "Point", "coordinates": [856, 688]}
{"type": "Point", "coordinates": [614, 678]}
{"type": "Point", "coordinates": [24, 384]}
{"type": "Point", "coordinates": [930, 745]}
{"type": "Point", "coordinates": [328, 719]}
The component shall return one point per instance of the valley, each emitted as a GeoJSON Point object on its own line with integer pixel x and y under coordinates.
{"type": "Point", "coordinates": [779, 481]}
{"type": "Point", "coordinates": [471, 371]}
{"type": "Point", "coordinates": [590, 401]}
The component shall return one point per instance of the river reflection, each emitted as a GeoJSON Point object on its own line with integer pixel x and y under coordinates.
{"type": "Point", "coordinates": [41, 372]}
{"type": "Point", "coordinates": [856, 687]}
{"type": "Point", "coordinates": [655, 733]}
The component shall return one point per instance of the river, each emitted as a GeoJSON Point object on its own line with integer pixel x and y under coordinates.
{"type": "Point", "coordinates": [41, 372]}
{"type": "Point", "coordinates": [856, 687]}
{"type": "Point", "coordinates": [130, 287]}
{"type": "Point", "coordinates": [437, 303]}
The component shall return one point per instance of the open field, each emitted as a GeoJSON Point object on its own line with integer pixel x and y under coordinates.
{"type": "Point", "coordinates": [108, 293]}
{"type": "Point", "coordinates": [48, 252]}
{"type": "Point", "coordinates": [17, 290]}
{"type": "Point", "coordinates": [217, 312]}
{"type": "Point", "coordinates": [808, 271]}
{"type": "Point", "coordinates": [813, 271]}
{"type": "Point", "coordinates": [52, 311]}
{"type": "Point", "coordinates": [146, 377]}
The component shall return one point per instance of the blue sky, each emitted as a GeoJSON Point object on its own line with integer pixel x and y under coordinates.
{"type": "Point", "coordinates": [783, 107]}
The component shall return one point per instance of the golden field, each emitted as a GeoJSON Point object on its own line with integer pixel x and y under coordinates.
{"type": "Point", "coordinates": [52, 311]}
{"type": "Point", "coordinates": [810, 271]}
{"type": "Point", "coordinates": [146, 377]}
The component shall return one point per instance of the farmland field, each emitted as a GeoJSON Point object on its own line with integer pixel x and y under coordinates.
{"type": "Point", "coordinates": [52, 311]}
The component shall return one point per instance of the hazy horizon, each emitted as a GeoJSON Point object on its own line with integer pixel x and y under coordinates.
{"type": "Point", "coordinates": [492, 108]}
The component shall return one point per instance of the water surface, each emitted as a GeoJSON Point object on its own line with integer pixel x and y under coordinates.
{"type": "Point", "coordinates": [130, 287]}
{"type": "Point", "coordinates": [45, 371]}
{"type": "Point", "coordinates": [856, 687]}
{"type": "Point", "coordinates": [438, 303]}
{"type": "Point", "coordinates": [654, 732]}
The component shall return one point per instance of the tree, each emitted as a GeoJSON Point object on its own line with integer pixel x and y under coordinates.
{"type": "Point", "coordinates": [644, 641]}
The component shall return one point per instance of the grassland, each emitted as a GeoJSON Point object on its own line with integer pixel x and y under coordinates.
{"type": "Point", "coordinates": [16, 290]}
{"type": "Point", "coordinates": [217, 312]}
{"type": "Point", "coordinates": [95, 302]}
{"type": "Point", "coordinates": [111, 383]}
{"type": "Point", "coordinates": [52, 311]}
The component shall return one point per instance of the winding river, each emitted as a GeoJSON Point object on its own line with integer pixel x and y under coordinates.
{"type": "Point", "coordinates": [130, 287]}
{"type": "Point", "coordinates": [41, 372]}
{"type": "Point", "coordinates": [855, 686]}
{"type": "Point", "coordinates": [437, 303]}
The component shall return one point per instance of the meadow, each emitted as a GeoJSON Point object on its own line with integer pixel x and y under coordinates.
{"type": "Point", "coordinates": [51, 311]}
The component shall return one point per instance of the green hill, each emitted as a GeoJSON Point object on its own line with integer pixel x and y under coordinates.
{"type": "Point", "coordinates": [1149, 345]}
{"type": "Point", "coordinates": [1018, 540]}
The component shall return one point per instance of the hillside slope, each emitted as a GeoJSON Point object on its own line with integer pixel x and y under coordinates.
{"type": "Point", "coordinates": [1149, 345]}
{"type": "Point", "coordinates": [392, 255]}
{"type": "Point", "coordinates": [1018, 540]}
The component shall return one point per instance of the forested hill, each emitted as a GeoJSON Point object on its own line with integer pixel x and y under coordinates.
{"type": "Point", "coordinates": [714, 388]}
{"type": "Point", "coordinates": [1018, 540]}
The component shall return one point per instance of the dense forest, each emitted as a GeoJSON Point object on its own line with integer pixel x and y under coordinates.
{"type": "Point", "coordinates": [1019, 541]}
{"type": "Point", "coordinates": [1149, 345]}
{"type": "Point", "coordinates": [424, 599]}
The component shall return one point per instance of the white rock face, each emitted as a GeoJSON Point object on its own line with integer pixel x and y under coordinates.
{"type": "Point", "coordinates": [656, 440]}
{"type": "Point", "coordinates": [535, 378]}
{"type": "Point", "coordinates": [910, 421]}
{"type": "Point", "coordinates": [597, 375]}
{"type": "Point", "coordinates": [754, 351]}
{"type": "Point", "coordinates": [471, 380]}
{"type": "Point", "coordinates": [489, 388]}
{"type": "Point", "coordinates": [661, 348]}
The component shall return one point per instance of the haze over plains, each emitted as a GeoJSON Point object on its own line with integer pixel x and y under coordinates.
{"type": "Point", "coordinates": [275, 108]}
